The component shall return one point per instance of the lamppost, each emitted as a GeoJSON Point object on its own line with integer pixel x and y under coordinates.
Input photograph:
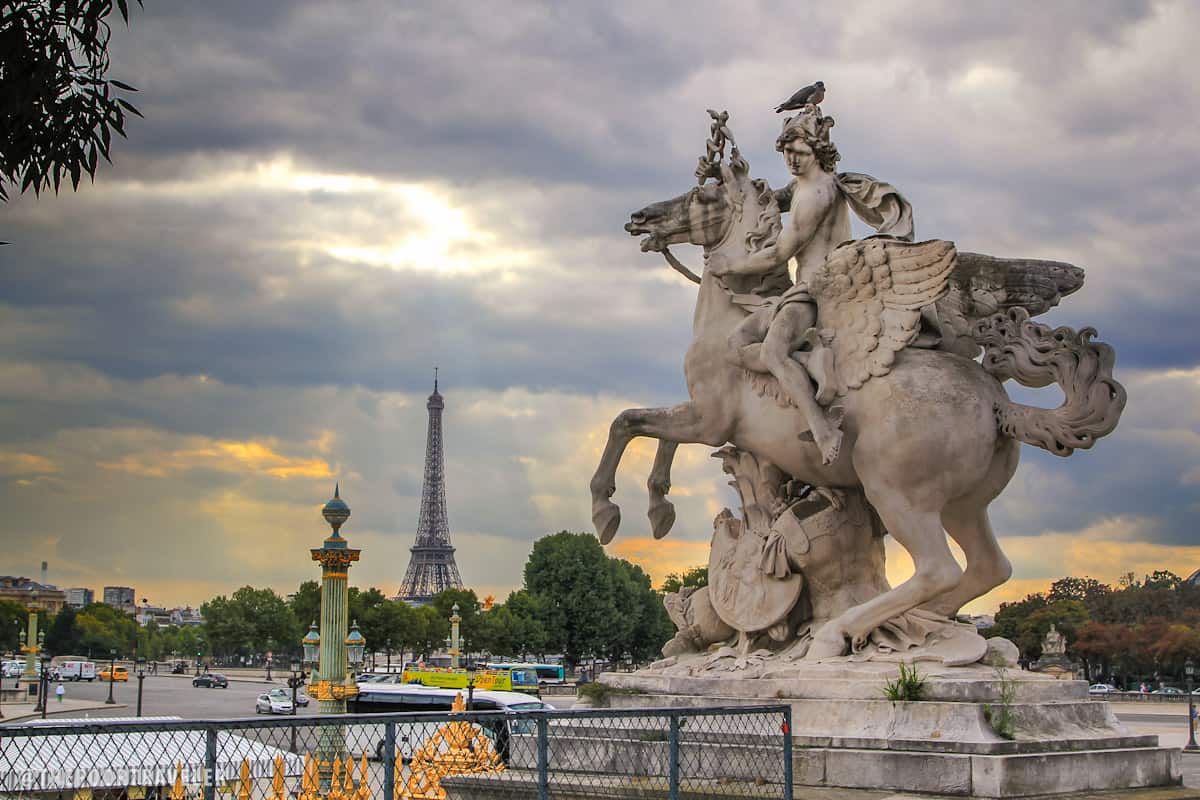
{"type": "Point", "coordinates": [112, 675]}
{"type": "Point", "coordinates": [455, 641]}
{"type": "Point", "coordinates": [269, 655]}
{"type": "Point", "coordinates": [1189, 668]}
{"type": "Point", "coordinates": [44, 680]}
{"type": "Point", "coordinates": [30, 648]}
{"type": "Point", "coordinates": [141, 676]}
{"type": "Point", "coordinates": [330, 688]}
{"type": "Point", "coordinates": [356, 645]}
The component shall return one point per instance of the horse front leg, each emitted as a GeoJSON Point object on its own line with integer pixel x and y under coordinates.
{"type": "Point", "coordinates": [662, 510]}
{"type": "Point", "coordinates": [680, 424]}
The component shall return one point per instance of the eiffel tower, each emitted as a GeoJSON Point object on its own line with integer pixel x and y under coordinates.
{"type": "Point", "coordinates": [431, 567]}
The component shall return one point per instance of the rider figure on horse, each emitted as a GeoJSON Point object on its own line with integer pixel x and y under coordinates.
{"type": "Point", "coordinates": [770, 338]}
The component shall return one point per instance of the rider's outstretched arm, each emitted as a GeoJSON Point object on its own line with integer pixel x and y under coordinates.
{"type": "Point", "coordinates": [800, 230]}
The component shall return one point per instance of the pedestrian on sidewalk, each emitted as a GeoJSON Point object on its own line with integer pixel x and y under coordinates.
{"type": "Point", "coordinates": [59, 691]}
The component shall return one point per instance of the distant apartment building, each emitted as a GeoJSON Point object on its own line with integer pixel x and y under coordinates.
{"type": "Point", "coordinates": [78, 597]}
{"type": "Point", "coordinates": [152, 615]}
{"type": "Point", "coordinates": [27, 591]}
{"type": "Point", "coordinates": [186, 617]}
{"type": "Point", "coordinates": [122, 597]}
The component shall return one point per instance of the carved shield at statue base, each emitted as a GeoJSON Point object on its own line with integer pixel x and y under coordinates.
{"type": "Point", "coordinates": [746, 596]}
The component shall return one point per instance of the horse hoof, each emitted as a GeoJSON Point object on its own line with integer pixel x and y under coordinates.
{"type": "Point", "coordinates": [662, 517]}
{"type": "Point", "coordinates": [606, 517]}
{"type": "Point", "coordinates": [826, 644]}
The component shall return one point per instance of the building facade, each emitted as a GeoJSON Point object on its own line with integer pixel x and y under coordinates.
{"type": "Point", "coordinates": [78, 597]}
{"type": "Point", "coordinates": [21, 590]}
{"type": "Point", "coordinates": [121, 597]}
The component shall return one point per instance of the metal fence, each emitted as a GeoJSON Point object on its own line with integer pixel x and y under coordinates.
{"type": "Point", "coordinates": [742, 751]}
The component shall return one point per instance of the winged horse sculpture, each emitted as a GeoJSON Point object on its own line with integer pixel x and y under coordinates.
{"type": "Point", "coordinates": [930, 436]}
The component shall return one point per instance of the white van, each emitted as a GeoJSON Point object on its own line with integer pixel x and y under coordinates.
{"type": "Point", "coordinates": [76, 670]}
{"type": "Point", "coordinates": [378, 698]}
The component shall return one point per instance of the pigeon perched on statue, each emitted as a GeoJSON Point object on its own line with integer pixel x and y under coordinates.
{"type": "Point", "coordinates": [813, 94]}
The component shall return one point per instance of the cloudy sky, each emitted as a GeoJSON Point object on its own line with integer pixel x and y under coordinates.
{"type": "Point", "coordinates": [325, 200]}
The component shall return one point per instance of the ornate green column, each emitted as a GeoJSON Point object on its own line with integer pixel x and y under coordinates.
{"type": "Point", "coordinates": [30, 648]}
{"type": "Point", "coordinates": [331, 687]}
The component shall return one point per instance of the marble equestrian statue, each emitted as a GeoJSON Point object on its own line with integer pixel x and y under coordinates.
{"type": "Point", "coordinates": [915, 341]}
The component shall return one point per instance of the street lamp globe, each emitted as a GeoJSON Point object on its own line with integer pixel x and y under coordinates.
{"type": "Point", "coordinates": [295, 663]}
{"type": "Point", "coordinates": [312, 645]}
{"type": "Point", "coordinates": [356, 643]}
{"type": "Point", "coordinates": [1189, 668]}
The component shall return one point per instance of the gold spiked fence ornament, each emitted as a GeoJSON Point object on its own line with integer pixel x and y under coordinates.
{"type": "Point", "coordinates": [457, 748]}
{"type": "Point", "coordinates": [335, 784]}
{"type": "Point", "coordinates": [364, 785]}
{"type": "Point", "coordinates": [310, 780]}
{"type": "Point", "coordinates": [177, 788]}
{"type": "Point", "coordinates": [243, 790]}
{"type": "Point", "coordinates": [278, 787]}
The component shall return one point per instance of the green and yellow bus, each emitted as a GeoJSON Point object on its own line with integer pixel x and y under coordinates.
{"type": "Point", "coordinates": [501, 680]}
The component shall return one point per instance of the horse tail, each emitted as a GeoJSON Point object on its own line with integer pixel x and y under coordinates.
{"type": "Point", "coordinates": [1035, 355]}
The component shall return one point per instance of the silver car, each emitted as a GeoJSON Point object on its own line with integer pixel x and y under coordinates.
{"type": "Point", "coordinates": [273, 704]}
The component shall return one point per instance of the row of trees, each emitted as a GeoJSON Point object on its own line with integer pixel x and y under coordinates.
{"type": "Point", "coordinates": [576, 601]}
{"type": "Point", "coordinates": [1134, 631]}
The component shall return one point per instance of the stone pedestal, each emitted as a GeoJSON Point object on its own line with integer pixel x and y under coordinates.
{"type": "Point", "coordinates": [979, 732]}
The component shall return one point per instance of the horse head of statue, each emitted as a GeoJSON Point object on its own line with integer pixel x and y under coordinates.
{"type": "Point", "coordinates": [728, 211]}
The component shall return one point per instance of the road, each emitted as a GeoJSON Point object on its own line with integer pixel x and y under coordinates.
{"type": "Point", "coordinates": [174, 696]}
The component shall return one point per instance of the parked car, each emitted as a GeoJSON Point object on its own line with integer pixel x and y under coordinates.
{"type": "Point", "coordinates": [1102, 688]}
{"type": "Point", "coordinates": [213, 680]}
{"type": "Point", "coordinates": [114, 674]}
{"type": "Point", "coordinates": [271, 703]}
{"type": "Point", "coordinates": [1168, 690]}
{"type": "Point", "coordinates": [301, 697]}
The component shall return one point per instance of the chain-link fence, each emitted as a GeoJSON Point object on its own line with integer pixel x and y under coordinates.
{"type": "Point", "coordinates": [740, 751]}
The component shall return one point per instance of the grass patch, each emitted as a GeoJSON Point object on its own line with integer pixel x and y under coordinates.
{"type": "Point", "coordinates": [999, 716]}
{"type": "Point", "coordinates": [908, 687]}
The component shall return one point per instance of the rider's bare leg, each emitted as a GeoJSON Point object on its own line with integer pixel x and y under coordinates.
{"type": "Point", "coordinates": [745, 343]}
{"type": "Point", "coordinates": [787, 328]}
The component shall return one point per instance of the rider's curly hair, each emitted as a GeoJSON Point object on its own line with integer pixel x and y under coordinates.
{"type": "Point", "coordinates": [825, 151]}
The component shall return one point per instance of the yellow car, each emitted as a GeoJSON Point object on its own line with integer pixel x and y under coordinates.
{"type": "Point", "coordinates": [118, 674]}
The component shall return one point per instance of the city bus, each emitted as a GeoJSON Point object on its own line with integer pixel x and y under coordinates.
{"type": "Point", "coordinates": [546, 673]}
{"type": "Point", "coordinates": [501, 680]}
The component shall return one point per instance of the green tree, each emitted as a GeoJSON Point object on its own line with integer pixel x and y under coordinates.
{"type": "Point", "coordinates": [306, 604]}
{"type": "Point", "coordinates": [644, 627]}
{"type": "Point", "coordinates": [13, 617]}
{"type": "Point", "coordinates": [250, 622]}
{"type": "Point", "coordinates": [57, 107]}
{"type": "Point", "coordinates": [62, 637]}
{"type": "Point", "coordinates": [430, 630]}
{"type": "Point", "coordinates": [102, 629]}
{"type": "Point", "coordinates": [390, 628]}
{"type": "Point", "coordinates": [696, 576]}
{"type": "Point", "coordinates": [569, 574]}
{"type": "Point", "coordinates": [528, 633]}
{"type": "Point", "coordinates": [468, 609]}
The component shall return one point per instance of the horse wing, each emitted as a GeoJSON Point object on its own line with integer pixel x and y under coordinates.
{"type": "Point", "coordinates": [870, 294]}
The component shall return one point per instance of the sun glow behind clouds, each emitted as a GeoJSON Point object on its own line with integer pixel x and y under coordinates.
{"type": "Point", "coordinates": [354, 218]}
